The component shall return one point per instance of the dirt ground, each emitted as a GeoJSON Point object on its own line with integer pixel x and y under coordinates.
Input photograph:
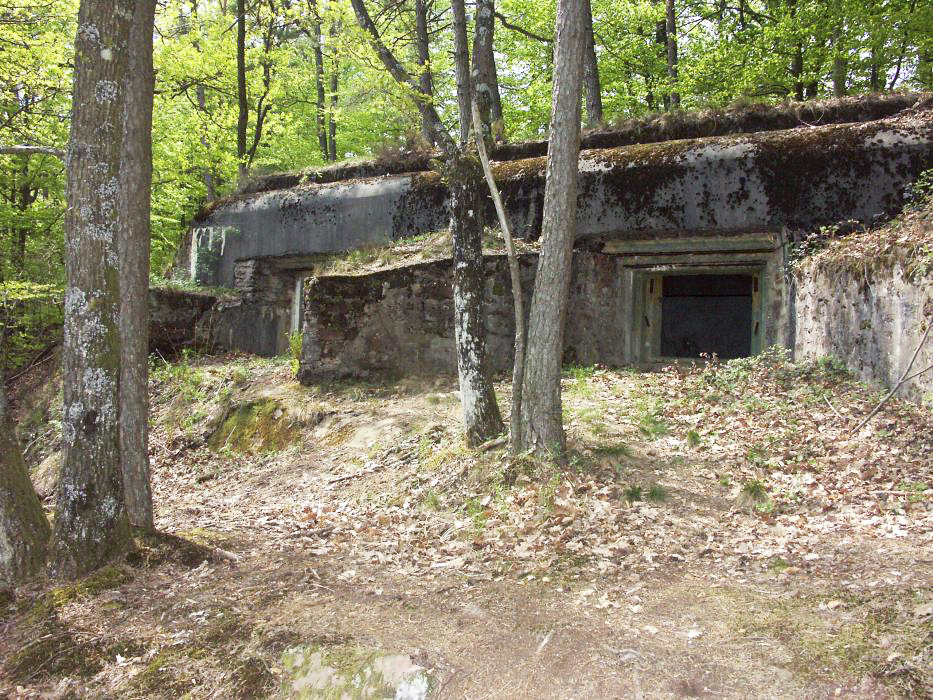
{"type": "Point", "coordinates": [719, 531]}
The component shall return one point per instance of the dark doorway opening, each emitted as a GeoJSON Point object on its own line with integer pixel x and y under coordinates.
{"type": "Point", "coordinates": [709, 314]}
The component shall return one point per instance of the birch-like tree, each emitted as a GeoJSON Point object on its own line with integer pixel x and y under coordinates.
{"type": "Point", "coordinates": [91, 525]}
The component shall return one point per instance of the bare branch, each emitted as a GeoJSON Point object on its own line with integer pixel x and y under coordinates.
{"type": "Point", "coordinates": [32, 151]}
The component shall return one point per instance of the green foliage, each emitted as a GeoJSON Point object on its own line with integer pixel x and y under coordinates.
{"type": "Point", "coordinates": [650, 419]}
{"type": "Point", "coordinates": [30, 319]}
{"type": "Point", "coordinates": [730, 55]}
{"type": "Point", "coordinates": [294, 347]}
{"type": "Point", "coordinates": [657, 493]}
{"type": "Point", "coordinates": [632, 493]}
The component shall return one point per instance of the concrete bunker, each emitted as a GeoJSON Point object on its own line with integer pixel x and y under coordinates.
{"type": "Point", "coordinates": [681, 249]}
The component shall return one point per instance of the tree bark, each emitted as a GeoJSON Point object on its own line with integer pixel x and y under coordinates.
{"type": "Point", "coordinates": [91, 526]}
{"type": "Point", "coordinates": [480, 411]}
{"type": "Point", "coordinates": [541, 427]}
{"type": "Point", "coordinates": [484, 78]}
{"type": "Point", "coordinates": [518, 301]}
{"type": "Point", "coordinates": [462, 68]}
{"type": "Point", "coordinates": [425, 80]}
{"type": "Point", "coordinates": [594, 98]}
{"type": "Point", "coordinates": [242, 100]}
{"type": "Point", "coordinates": [31, 151]}
{"type": "Point", "coordinates": [136, 173]}
{"type": "Point", "coordinates": [24, 530]}
{"type": "Point", "coordinates": [671, 13]}
{"type": "Point", "coordinates": [334, 86]}
{"type": "Point", "coordinates": [481, 418]}
{"type": "Point", "coordinates": [429, 115]}
{"type": "Point", "coordinates": [319, 81]}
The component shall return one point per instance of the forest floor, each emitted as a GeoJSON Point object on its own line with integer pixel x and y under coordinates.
{"type": "Point", "coordinates": [719, 531]}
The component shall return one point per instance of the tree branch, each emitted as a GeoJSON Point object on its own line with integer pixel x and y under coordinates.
{"type": "Point", "coordinates": [521, 30]}
{"type": "Point", "coordinates": [397, 70]}
{"type": "Point", "coordinates": [32, 151]}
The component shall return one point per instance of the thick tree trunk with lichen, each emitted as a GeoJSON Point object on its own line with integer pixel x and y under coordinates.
{"type": "Point", "coordinates": [136, 172]}
{"type": "Point", "coordinates": [91, 526]}
{"type": "Point", "coordinates": [542, 427]}
{"type": "Point", "coordinates": [24, 531]}
{"type": "Point", "coordinates": [483, 76]}
{"type": "Point", "coordinates": [481, 417]}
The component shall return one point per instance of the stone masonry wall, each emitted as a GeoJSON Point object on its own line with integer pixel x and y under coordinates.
{"type": "Point", "coordinates": [872, 319]}
{"type": "Point", "coordinates": [401, 320]}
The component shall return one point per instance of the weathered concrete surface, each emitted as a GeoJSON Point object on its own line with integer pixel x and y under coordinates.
{"type": "Point", "coordinates": [400, 320]}
{"type": "Point", "coordinates": [732, 185]}
{"type": "Point", "coordinates": [871, 318]}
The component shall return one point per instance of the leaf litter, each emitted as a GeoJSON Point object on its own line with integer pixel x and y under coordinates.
{"type": "Point", "coordinates": [635, 568]}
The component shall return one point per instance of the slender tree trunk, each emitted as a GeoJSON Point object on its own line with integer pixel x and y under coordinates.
{"type": "Point", "coordinates": [24, 530]}
{"type": "Point", "coordinates": [518, 301]}
{"type": "Point", "coordinates": [334, 87]}
{"type": "Point", "coordinates": [542, 427]}
{"type": "Point", "coordinates": [480, 412]}
{"type": "Point", "coordinates": [136, 172]}
{"type": "Point", "coordinates": [91, 525]}
{"type": "Point", "coordinates": [484, 78]}
{"type": "Point", "coordinates": [319, 81]}
{"type": "Point", "coordinates": [242, 99]}
{"type": "Point", "coordinates": [840, 66]}
{"type": "Point", "coordinates": [594, 97]}
{"type": "Point", "coordinates": [874, 78]}
{"type": "Point", "coordinates": [660, 38]}
{"type": "Point", "coordinates": [672, 52]}
{"type": "Point", "coordinates": [425, 80]}
{"type": "Point", "coordinates": [462, 67]}
{"type": "Point", "coordinates": [397, 71]}
{"type": "Point", "coordinates": [481, 417]}
{"type": "Point", "coordinates": [207, 176]}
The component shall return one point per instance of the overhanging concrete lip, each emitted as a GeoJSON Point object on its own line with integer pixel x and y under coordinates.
{"type": "Point", "coordinates": [676, 246]}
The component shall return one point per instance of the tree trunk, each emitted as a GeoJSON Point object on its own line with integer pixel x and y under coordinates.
{"type": "Point", "coordinates": [672, 52]}
{"type": "Point", "coordinates": [594, 98]}
{"type": "Point", "coordinates": [136, 173]}
{"type": "Point", "coordinates": [24, 531]}
{"type": "Point", "coordinates": [840, 67]}
{"type": "Point", "coordinates": [481, 417]}
{"type": "Point", "coordinates": [425, 81]}
{"type": "Point", "coordinates": [91, 526]}
{"type": "Point", "coordinates": [874, 77]}
{"type": "Point", "coordinates": [428, 113]}
{"type": "Point", "coordinates": [319, 81]}
{"type": "Point", "coordinates": [518, 301]}
{"type": "Point", "coordinates": [334, 85]}
{"type": "Point", "coordinates": [480, 412]}
{"type": "Point", "coordinates": [484, 78]}
{"type": "Point", "coordinates": [542, 428]}
{"type": "Point", "coordinates": [462, 67]}
{"type": "Point", "coordinates": [242, 101]}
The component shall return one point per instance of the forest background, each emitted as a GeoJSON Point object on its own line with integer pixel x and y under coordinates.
{"type": "Point", "coordinates": [316, 92]}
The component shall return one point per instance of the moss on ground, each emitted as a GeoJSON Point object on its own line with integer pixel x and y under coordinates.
{"type": "Point", "coordinates": [864, 634]}
{"type": "Point", "coordinates": [254, 427]}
